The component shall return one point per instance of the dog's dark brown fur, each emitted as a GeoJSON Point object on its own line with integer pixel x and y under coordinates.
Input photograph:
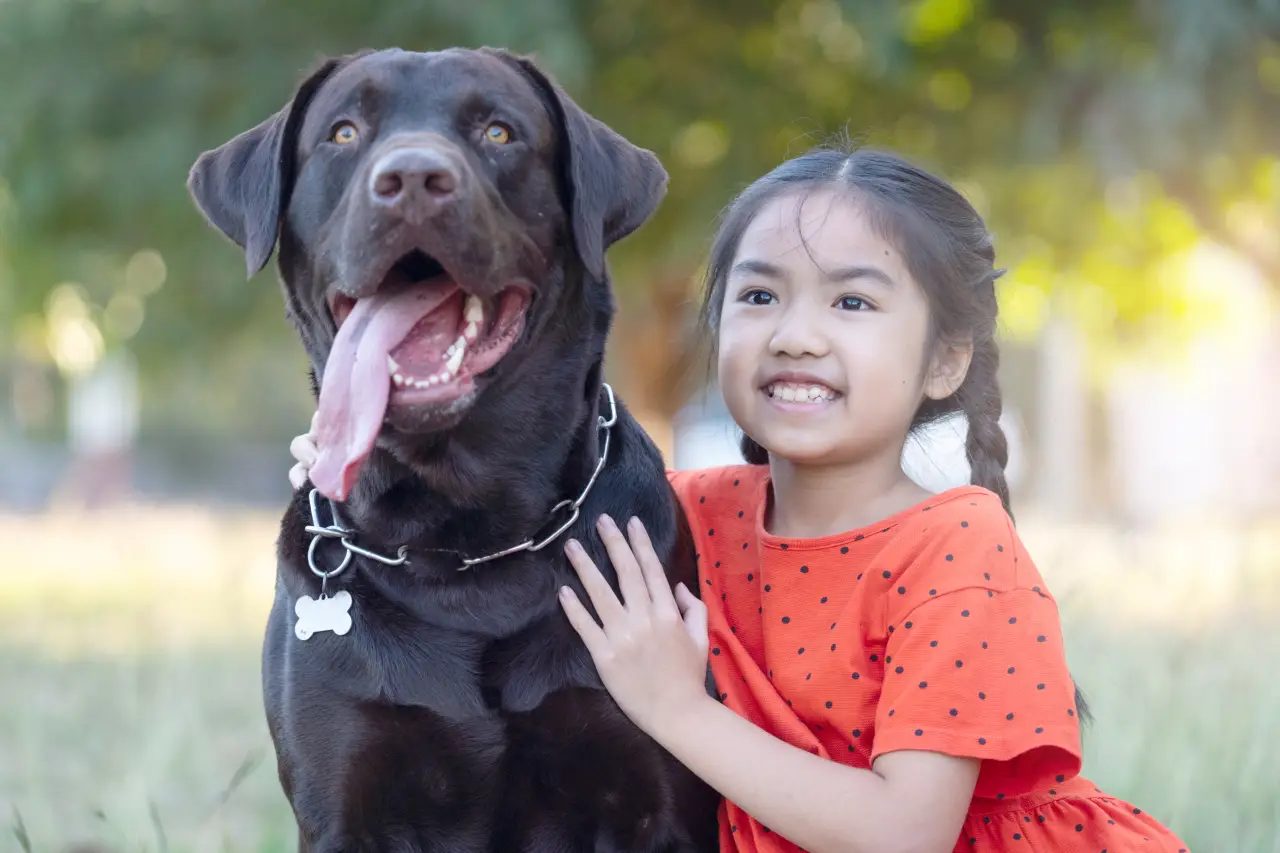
{"type": "Point", "coordinates": [461, 712]}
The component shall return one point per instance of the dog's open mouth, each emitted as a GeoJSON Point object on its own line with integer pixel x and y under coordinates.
{"type": "Point", "coordinates": [418, 342]}
{"type": "Point", "coordinates": [459, 336]}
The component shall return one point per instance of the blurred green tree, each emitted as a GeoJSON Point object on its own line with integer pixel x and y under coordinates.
{"type": "Point", "coordinates": [1099, 138]}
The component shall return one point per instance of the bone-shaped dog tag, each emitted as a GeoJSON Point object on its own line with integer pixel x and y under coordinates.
{"type": "Point", "coordinates": [326, 613]}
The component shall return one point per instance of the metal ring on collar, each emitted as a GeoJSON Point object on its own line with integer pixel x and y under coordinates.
{"type": "Point", "coordinates": [613, 409]}
{"type": "Point", "coordinates": [573, 516]}
{"type": "Point", "coordinates": [315, 570]}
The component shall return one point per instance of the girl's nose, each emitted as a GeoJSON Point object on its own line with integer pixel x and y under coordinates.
{"type": "Point", "coordinates": [799, 333]}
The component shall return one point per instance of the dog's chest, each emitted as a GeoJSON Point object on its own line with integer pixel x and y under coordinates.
{"type": "Point", "coordinates": [398, 656]}
{"type": "Point", "coordinates": [405, 732]}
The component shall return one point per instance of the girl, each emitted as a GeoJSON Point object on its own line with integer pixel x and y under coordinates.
{"type": "Point", "coordinates": [889, 662]}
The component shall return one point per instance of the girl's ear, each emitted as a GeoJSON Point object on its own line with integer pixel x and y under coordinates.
{"type": "Point", "coordinates": [948, 368]}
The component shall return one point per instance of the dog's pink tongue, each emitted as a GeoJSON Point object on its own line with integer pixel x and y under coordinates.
{"type": "Point", "coordinates": [357, 383]}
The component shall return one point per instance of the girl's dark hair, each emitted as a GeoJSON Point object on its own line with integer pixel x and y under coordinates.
{"type": "Point", "coordinates": [949, 252]}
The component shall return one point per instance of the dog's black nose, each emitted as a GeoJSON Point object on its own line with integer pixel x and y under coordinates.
{"type": "Point", "coordinates": [413, 181]}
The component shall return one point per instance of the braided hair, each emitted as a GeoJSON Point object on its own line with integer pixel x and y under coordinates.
{"type": "Point", "coordinates": [947, 248]}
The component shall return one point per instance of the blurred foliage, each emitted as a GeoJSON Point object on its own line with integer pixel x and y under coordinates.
{"type": "Point", "coordinates": [1101, 138]}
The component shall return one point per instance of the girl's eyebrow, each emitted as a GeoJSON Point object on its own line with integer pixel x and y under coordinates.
{"type": "Point", "coordinates": [752, 266]}
{"type": "Point", "coordinates": [843, 274]}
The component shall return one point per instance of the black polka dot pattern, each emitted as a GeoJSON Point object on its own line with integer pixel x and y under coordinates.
{"type": "Point", "coordinates": [930, 630]}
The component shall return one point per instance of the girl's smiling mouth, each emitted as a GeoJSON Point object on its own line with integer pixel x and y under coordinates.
{"type": "Point", "coordinates": [803, 389]}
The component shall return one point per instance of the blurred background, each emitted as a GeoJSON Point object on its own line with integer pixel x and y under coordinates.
{"type": "Point", "coordinates": [1126, 154]}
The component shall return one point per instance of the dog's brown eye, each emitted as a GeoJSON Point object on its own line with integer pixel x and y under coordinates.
{"type": "Point", "coordinates": [497, 133]}
{"type": "Point", "coordinates": [345, 133]}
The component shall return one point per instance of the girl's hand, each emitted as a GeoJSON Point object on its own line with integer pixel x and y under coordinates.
{"type": "Point", "coordinates": [303, 449]}
{"type": "Point", "coordinates": [651, 652]}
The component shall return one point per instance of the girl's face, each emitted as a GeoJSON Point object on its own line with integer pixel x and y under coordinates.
{"type": "Point", "coordinates": [823, 334]}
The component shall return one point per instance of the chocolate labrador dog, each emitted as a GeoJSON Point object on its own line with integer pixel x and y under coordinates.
{"type": "Point", "coordinates": [442, 220]}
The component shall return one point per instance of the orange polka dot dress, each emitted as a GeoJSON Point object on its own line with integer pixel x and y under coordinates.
{"type": "Point", "coordinates": [931, 630]}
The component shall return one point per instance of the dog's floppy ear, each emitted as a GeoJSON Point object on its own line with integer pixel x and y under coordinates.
{"type": "Point", "coordinates": [613, 185]}
{"type": "Point", "coordinates": [243, 185]}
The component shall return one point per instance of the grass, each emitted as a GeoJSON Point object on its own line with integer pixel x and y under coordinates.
{"type": "Point", "coordinates": [130, 709]}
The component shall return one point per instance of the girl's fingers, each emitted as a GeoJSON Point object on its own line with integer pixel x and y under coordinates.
{"type": "Point", "coordinates": [695, 616]}
{"type": "Point", "coordinates": [601, 594]}
{"type": "Point", "coordinates": [303, 449]}
{"type": "Point", "coordinates": [593, 637]}
{"type": "Point", "coordinates": [655, 576]}
{"type": "Point", "coordinates": [635, 595]}
{"type": "Point", "coordinates": [298, 476]}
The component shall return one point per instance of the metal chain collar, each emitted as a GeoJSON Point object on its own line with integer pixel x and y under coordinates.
{"type": "Point", "coordinates": [571, 508]}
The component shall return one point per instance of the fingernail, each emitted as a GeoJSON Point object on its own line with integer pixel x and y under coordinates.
{"type": "Point", "coordinates": [605, 523]}
{"type": "Point", "coordinates": [634, 524]}
{"type": "Point", "coordinates": [573, 547]}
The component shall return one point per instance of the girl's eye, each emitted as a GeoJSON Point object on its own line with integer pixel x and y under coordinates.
{"type": "Point", "coordinates": [758, 297]}
{"type": "Point", "coordinates": [852, 303]}
{"type": "Point", "coordinates": [498, 133]}
{"type": "Point", "coordinates": [344, 134]}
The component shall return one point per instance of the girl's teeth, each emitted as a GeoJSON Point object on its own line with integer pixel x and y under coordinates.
{"type": "Point", "coordinates": [800, 393]}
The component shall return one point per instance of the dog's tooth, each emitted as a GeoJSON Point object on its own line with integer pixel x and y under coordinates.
{"type": "Point", "coordinates": [398, 380]}
{"type": "Point", "coordinates": [392, 367]}
{"type": "Point", "coordinates": [471, 331]}
{"type": "Point", "coordinates": [474, 311]}
{"type": "Point", "coordinates": [451, 349]}
{"type": "Point", "coordinates": [455, 361]}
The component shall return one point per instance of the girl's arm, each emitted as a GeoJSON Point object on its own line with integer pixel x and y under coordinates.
{"type": "Point", "coordinates": [912, 802]}
{"type": "Point", "coordinates": [651, 654]}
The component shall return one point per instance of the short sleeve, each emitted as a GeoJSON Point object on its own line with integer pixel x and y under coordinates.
{"type": "Point", "coordinates": [981, 673]}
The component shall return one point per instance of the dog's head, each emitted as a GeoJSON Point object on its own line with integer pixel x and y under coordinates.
{"type": "Point", "coordinates": [435, 212]}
